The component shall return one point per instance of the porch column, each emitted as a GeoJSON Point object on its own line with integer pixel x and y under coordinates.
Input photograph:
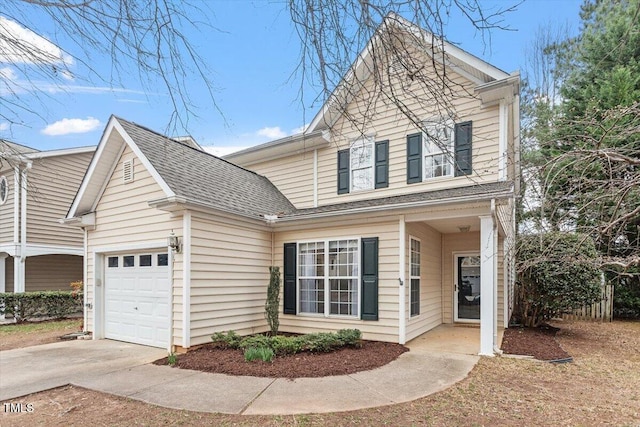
{"type": "Point", "coordinates": [402, 292]}
{"type": "Point", "coordinates": [487, 284]}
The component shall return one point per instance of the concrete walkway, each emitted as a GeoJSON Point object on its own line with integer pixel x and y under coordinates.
{"type": "Point", "coordinates": [123, 369]}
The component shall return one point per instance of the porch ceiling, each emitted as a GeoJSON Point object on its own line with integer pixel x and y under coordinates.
{"type": "Point", "coordinates": [452, 225]}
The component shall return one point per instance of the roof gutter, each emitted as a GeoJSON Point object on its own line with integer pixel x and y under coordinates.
{"type": "Point", "coordinates": [407, 205]}
{"type": "Point", "coordinates": [179, 203]}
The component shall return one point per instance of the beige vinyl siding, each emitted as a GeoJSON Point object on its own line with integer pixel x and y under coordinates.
{"type": "Point", "coordinates": [229, 276]}
{"type": "Point", "coordinates": [506, 246]}
{"type": "Point", "coordinates": [389, 123]}
{"type": "Point", "coordinates": [124, 218]}
{"type": "Point", "coordinates": [52, 184]}
{"type": "Point", "coordinates": [384, 329]}
{"type": "Point", "coordinates": [6, 210]}
{"type": "Point", "coordinates": [52, 272]}
{"type": "Point", "coordinates": [452, 243]}
{"type": "Point", "coordinates": [293, 175]}
{"type": "Point", "coordinates": [430, 279]}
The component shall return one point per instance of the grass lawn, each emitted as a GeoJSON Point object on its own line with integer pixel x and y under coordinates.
{"type": "Point", "coordinates": [601, 387]}
{"type": "Point", "coordinates": [35, 333]}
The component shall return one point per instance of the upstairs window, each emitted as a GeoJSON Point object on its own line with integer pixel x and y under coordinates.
{"type": "Point", "coordinates": [444, 150]}
{"type": "Point", "coordinates": [438, 149]}
{"type": "Point", "coordinates": [361, 165]}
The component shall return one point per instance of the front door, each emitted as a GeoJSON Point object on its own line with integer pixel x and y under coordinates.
{"type": "Point", "coordinates": [467, 288]}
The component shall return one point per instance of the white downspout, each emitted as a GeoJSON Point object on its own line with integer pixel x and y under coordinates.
{"type": "Point", "coordinates": [402, 322]}
{"type": "Point", "coordinates": [502, 141]}
{"type": "Point", "coordinates": [85, 274]}
{"type": "Point", "coordinates": [315, 178]}
{"type": "Point", "coordinates": [23, 226]}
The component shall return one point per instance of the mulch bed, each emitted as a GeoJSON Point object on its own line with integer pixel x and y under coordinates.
{"type": "Point", "coordinates": [210, 358]}
{"type": "Point", "coordinates": [537, 342]}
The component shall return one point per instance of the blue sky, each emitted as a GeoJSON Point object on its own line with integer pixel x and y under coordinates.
{"type": "Point", "coordinates": [252, 59]}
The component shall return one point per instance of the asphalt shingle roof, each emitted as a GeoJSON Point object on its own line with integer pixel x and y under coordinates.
{"type": "Point", "coordinates": [426, 196]}
{"type": "Point", "coordinates": [204, 178]}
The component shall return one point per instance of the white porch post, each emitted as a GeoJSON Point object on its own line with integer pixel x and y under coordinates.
{"type": "Point", "coordinates": [487, 285]}
{"type": "Point", "coordinates": [402, 321]}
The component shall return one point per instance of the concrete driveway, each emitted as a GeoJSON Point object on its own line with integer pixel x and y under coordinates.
{"type": "Point", "coordinates": [32, 369]}
{"type": "Point", "coordinates": [123, 369]}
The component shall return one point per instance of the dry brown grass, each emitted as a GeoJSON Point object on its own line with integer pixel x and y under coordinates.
{"type": "Point", "coordinates": [602, 387]}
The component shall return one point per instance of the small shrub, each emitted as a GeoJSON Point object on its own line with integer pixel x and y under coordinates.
{"type": "Point", "coordinates": [321, 342]}
{"type": "Point", "coordinates": [286, 345]}
{"type": "Point", "coordinates": [255, 341]}
{"type": "Point", "coordinates": [172, 359]}
{"type": "Point", "coordinates": [226, 340]}
{"type": "Point", "coordinates": [258, 353]}
{"type": "Point", "coordinates": [350, 337]}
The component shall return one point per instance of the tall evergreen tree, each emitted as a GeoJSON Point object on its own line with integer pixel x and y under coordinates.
{"type": "Point", "coordinates": [590, 152]}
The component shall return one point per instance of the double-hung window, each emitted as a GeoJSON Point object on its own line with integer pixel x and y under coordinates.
{"type": "Point", "coordinates": [328, 277]}
{"type": "Point", "coordinates": [414, 270]}
{"type": "Point", "coordinates": [361, 165]}
{"type": "Point", "coordinates": [438, 149]}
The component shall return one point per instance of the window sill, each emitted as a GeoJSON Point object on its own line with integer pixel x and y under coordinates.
{"type": "Point", "coordinates": [330, 316]}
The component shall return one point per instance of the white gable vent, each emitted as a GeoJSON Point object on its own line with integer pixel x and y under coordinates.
{"type": "Point", "coordinates": [127, 171]}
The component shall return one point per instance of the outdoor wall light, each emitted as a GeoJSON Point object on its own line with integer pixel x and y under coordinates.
{"type": "Point", "coordinates": [173, 242]}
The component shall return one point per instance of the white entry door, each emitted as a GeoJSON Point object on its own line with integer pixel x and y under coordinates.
{"type": "Point", "coordinates": [137, 298]}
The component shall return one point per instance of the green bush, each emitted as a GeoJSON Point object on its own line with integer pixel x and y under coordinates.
{"type": "Point", "coordinates": [280, 345]}
{"type": "Point", "coordinates": [556, 274]}
{"type": "Point", "coordinates": [31, 305]}
{"type": "Point", "coordinates": [258, 353]}
{"type": "Point", "coordinates": [227, 340]}
{"type": "Point", "coordinates": [255, 341]}
{"type": "Point", "coordinates": [350, 337]}
{"type": "Point", "coordinates": [286, 345]}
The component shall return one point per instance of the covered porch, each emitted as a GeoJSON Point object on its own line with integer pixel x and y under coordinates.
{"type": "Point", "coordinates": [456, 274]}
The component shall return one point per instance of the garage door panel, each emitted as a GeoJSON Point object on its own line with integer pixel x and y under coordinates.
{"type": "Point", "coordinates": [137, 302]}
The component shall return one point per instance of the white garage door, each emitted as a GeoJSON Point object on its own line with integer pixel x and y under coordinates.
{"type": "Point", "coordinates": [137, 298]}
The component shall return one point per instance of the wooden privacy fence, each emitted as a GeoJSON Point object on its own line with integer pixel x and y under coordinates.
{"type": "Point", "coordinates": [601, 310]}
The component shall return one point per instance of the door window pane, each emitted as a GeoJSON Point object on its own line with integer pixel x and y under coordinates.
{"type": "Point", "coordinates": [113, 261]}
{"type": "Point", "coordinates": [128, 261]}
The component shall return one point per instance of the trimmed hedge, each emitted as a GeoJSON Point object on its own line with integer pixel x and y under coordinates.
{"type": "Point", "coordinates": [30, 305]}
{"type": "Point", "coordinates": [320, 342]}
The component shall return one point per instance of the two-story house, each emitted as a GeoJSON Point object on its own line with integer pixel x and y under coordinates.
{"type": "Point", "coordinates": [36, 187]}
{"type": "Point", "coordinates": [387, 225]}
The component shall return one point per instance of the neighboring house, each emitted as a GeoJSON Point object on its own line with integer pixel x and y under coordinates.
{"type": "Point", "coordinates": [372, 228]}
{"type": "Point", "coordinates": [37, 252]}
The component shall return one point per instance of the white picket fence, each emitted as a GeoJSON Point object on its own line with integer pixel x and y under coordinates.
{"type": "Point", "coordinates": [601, 310]}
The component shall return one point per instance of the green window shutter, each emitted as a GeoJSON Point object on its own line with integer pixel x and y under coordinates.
{"type": "Point", "coordinates": [414, 158]}
{"type": "Point", "coordinates": [289, 278]}
{"type": "Point", "coordinates": [382, 164]}
{"type": "Point", "coordinates": [463, 149]}
{"type": "Point", "coordinates": [343, 171]}
{"type": "Point", "coordinates": [369, 309]}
